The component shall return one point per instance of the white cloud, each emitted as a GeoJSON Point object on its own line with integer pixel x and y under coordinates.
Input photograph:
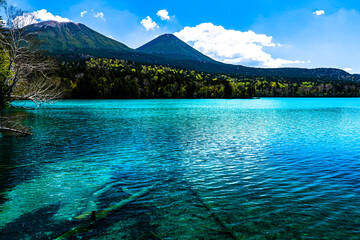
{"type": "Point", "coordinates": [349, 70]}
{"type": "Point", "coordinates": [232, 46]}
{"type": "Point", "coordinates": [110, 37]}
{"type": "Point", "coordinates": [83, 13]}
{"type": "Point", "coordinates": [37, 16]}
{"type": "Point", "coordinates": [163, 14]}
{"type": "Point", "coordinates": [319, 12]}
{"type": "Point", "coordinates": [44, 15]}
{"type": "Point", "coordinates": [149, 24]}
{"type": "Point", "coordinates": [99, 15]}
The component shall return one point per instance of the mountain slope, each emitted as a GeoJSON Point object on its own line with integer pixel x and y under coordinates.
{"type": "Point", "coordinates": [69, 37]}
{"type": "Point", "coordinates": [171, 46]}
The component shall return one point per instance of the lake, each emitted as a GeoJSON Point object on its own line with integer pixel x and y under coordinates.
{"type": "Point", "coordinates": [272, 168]}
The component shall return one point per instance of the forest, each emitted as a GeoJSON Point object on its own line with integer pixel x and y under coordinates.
{"type": "Point", "coordinates": [119, 79]}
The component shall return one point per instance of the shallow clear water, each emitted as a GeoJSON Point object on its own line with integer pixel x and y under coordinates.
{"type": "Point", "coordinates": [194, 169]}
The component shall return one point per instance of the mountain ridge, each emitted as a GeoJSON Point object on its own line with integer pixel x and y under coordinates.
{"type": "Point", "coordinates": [68, 40]}
{"type": "Point", "coordinates": [169, 44]}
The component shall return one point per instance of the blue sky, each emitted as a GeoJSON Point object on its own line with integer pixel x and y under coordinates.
{"type": "Point", "coordinates": [260, 33]}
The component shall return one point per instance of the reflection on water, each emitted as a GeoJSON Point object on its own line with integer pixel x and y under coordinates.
{"type": "Point", "coordinates": [184, 169]}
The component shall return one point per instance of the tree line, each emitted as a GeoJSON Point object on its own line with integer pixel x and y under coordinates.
{"type": "Point", "coordinates": [99, 78]}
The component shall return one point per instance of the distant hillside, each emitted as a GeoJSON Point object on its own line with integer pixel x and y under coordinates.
{"type": "Point", "coordinates": [73, 41]}
{"type": "Point", "coordinates": [170, 46]}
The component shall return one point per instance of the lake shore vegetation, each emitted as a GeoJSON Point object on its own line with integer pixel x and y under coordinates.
{"type": "Point", "coordinates": [100, 78]}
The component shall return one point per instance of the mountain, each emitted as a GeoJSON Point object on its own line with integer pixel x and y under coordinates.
{"type": "Point", "coordinates": [170, 46]}
{"type": "Point", "coordinates": [72, 41]}
{"type": "Point", "coordinates": [75, 41]}
{"type": "Point", "coordinates": [66, 38]}
{"type": "Point", "coordinates": [173, 48]}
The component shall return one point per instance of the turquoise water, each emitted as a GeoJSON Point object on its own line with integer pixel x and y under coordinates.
{"type": "Point", "coordinates": [192, 169]}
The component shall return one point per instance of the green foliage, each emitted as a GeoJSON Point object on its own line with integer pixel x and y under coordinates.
{"type": "Point", "coordinates": [4, 71]}
{"type": "Point", "coordinates": [3, 86]}
{"type": "Point", "coordinates": [110, 78]}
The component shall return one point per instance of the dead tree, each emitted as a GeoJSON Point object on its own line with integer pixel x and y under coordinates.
{"type": "Point", "coordinates": [30, 74]}
{"type": "Point", "coordinates": [9, 126]}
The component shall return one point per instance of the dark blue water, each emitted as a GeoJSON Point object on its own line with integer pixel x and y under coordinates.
{"type": "Point", "coordinates": [184, 169]}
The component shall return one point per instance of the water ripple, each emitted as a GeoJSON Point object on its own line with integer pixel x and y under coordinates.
{"type": "Point", "coordinates": [224, 169]}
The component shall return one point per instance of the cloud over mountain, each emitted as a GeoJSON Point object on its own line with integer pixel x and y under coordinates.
{"type": "Point", "coordinates": [149, 24]}
{"type": "Point", "coordinates": [163, 14]}
{"type": "Point", "coordinates": [83, 13]}
{"type": "Point", "coordinates": [99, 15]}
{"type": "Point", "coordinates": [37, 16]}
{"type": "Point", "coordinates": [231, 46]}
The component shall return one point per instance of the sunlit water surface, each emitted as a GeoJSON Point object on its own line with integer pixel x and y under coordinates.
{"type": "Point", "coordinates": [205, 169]}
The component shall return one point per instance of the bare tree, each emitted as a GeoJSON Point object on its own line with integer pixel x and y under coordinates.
{"type": "Point", "coordinates": [9, 125]}
{"type": "Point", "coordinates": [29, 74]}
